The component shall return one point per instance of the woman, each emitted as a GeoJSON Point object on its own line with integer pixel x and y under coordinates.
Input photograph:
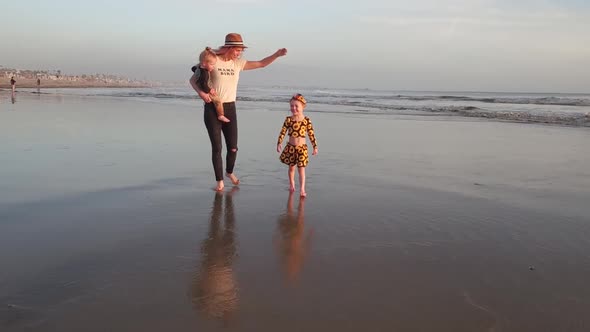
{"type": "Point", "coordinates": [225, 79]}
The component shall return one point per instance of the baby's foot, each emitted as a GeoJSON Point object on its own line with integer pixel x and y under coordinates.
{"type": "Point", "coordinates": [233, 178]}
{"type": "Point", "coordinates": [222, 118]}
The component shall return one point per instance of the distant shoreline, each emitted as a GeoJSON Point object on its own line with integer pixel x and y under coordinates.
{"type": "Point", "coordinates": [32, 83]}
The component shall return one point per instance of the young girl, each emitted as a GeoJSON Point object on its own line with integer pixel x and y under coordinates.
{"type": "Point", "coordinates": [295, 152]}
{"type": "Point", "coordinates": [207, 61]}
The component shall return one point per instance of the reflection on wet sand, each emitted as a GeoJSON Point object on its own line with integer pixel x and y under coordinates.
{"type": "Point", "coordinates": [214, 290]}
{"type": "Point", "coordinates": [13, 97]}
{"type": "Point", "coordinates": [292, 244]}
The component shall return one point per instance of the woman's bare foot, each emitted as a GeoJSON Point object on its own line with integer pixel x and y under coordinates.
{"type": "Point", "coordinates": [233, 178]}
{"type": "Point", "coordinates": [222, 118]}
{"type": "Point", "coordinates": [303, 194]}
{"type": "Point", "coordinates": [220, 186]}
{"type": "Point", "coordinates": [292, 189]}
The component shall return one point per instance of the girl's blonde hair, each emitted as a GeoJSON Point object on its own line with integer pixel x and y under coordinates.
{"type": "Point", "coordinates": [207, 53]}
{"type": "Point", "coordinates": [299, 97]}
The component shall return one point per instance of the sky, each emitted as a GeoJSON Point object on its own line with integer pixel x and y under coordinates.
{"type": "Point", "coordinates": [427, 45]}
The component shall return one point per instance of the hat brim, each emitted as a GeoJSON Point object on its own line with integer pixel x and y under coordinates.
{"type": "Point", "coordinates": [225, 46]}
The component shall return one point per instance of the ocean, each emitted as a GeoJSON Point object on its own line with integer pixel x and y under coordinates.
{"type": "Point", "coordinates": [552, 108]}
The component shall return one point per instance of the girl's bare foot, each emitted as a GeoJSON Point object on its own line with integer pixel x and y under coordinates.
{"type": "Point", "coordinates": [222, 118]}
{"type": "Point", "coordinates": [292, 189]}
{"type": "Point", "coordinates": [220, 186]}
{"type": "Point", "coordinates": [303, 194]}
{"type": "Point", "coordinates": [233, 178]}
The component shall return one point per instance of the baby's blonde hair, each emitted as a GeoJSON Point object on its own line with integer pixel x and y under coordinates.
{"type": "Point", "coordinates": [207, 53]}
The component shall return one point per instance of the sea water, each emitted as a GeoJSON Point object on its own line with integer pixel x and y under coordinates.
{"type": "Point", "coordinates": [552, 108]}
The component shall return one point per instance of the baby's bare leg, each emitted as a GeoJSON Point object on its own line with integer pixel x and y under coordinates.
{"type": "Point", "coordinates": [291, 178]}
{"type": "Point", "coordinates": [219, 110]}
{"type": "Point", "coordinates": [302, 181]}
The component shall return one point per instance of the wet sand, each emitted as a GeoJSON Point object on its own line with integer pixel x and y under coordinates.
{"type": "Point", "coordinates": [108, 221]}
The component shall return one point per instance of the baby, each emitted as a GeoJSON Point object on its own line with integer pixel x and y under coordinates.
{"type": "Point", "coordinates": [207, 60]}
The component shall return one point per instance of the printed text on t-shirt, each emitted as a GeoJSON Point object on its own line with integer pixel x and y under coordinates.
{"type": "Point", "coordinates": [226, 71]}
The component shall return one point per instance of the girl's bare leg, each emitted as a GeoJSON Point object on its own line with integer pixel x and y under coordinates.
{"type": "Point", "coordinates": [302, 181]}
{"type": "Point", "coordinates": [291, 178]}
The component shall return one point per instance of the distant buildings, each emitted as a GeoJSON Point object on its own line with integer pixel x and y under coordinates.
{"type": "Point", "coordinates": [56, 75]}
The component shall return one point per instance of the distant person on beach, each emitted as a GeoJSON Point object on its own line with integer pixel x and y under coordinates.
{"type": "Point", "coordinates": [207, 61]}
{"type": "Point", "coordinates": [225, 79]}
{"type": "Point", "coordinates": [13, 83]}
{"type": "Point", "coordinates": [295, 152]}
{"type": "Point", "coordinates": [38, 82]}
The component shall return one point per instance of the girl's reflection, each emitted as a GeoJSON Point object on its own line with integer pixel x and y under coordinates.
{"type": "Point", "coordinates": [214, 291]}
{"type": "Point", "coordinates": [292, 244]}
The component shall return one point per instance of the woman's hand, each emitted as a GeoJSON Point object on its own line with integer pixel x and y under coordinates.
{"type": "Point", "coordinates": [205, 96]}
{"type": "Point", "coordinates": [278, 148]}
{"type": "Point", "coordinates": [281, 52]}
{"type": "Point", "coordinates": [315, 151]}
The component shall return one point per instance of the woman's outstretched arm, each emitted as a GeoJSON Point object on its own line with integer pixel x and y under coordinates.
{"type": "Point", "coordinates": [266, 61]}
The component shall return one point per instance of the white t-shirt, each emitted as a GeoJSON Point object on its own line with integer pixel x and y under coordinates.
{"type": "Point", "coordinates": [225, 78]}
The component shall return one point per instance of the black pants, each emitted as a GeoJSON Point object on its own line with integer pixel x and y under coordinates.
{"type": "Point", "coordinates": [230, 133]}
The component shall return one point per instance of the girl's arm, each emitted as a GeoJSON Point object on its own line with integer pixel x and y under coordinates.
{"type": "Point", "coordinates": [205, 96]}
{"type": "Point", "coordinates": [312, 138]}
{"type": "Point", "coordinates": [282, 134]}
{"type": "Point", "coordinates": [266, 61]}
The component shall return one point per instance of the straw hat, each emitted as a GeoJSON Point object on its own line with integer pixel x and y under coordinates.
{"type": "Point", "coordinates": [234, 40]}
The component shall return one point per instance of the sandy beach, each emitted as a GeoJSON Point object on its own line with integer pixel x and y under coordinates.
{"type": "Point", "coordinates": [109, 221]}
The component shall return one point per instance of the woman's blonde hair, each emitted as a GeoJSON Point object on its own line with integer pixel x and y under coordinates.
{"type": "Point", "coordinates": [207, 53]}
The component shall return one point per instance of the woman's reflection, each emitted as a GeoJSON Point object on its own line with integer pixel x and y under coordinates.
{"type": "Point", "coordinates": [214, 291]}
{"type": "Point", "coordinates": [292, 244]}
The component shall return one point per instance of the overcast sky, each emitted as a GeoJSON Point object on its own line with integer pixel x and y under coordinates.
{"type": "Point", "coordinates": [476, 45]}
